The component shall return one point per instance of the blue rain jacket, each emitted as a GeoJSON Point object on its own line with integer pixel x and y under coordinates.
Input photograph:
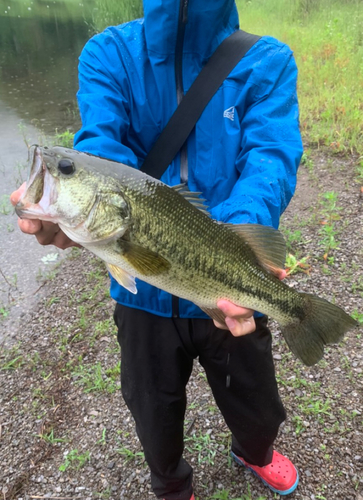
{"type": "Point", "coordinates": [245, 149]}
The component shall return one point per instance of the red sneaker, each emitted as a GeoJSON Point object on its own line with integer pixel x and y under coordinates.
{"type": "Point", "coordinates": [280, 475]}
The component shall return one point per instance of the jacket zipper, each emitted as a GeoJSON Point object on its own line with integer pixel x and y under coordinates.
{"type": "Point", "coordinates": [182, 21]}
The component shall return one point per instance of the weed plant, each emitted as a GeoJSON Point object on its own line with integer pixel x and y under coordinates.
{"type": "Point", "coordinates": [75, 460]}
{"type": "Point", "coordinates": [328, 232]}
{"type": "Point", "coordinates": [224, 495]}
{"type": "Point", "coordinates": [94, 378]}
{"type": "Point", "coordinates": [327, 39]}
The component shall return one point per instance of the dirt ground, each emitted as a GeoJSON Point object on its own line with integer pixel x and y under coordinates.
{"type": "Point", "coordinates": [65, 432]}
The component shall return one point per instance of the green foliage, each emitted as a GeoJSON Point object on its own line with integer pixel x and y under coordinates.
{"type": "Point", "coordinates": [312, 406]}
{"type": "Point", "coordinates": [202, 446]}
{"type": "Point", "coordinates": [12, 358]}
{"type": "Point", "coordinates": [103, 439]}
{"type": "Point", "coordinates": [291, 238]}
{"type": "Point", "coordinates": [330, 215]}
{"type": "Point", "coordinates": [5, 205]}
{"type": "Point", "coordinates": [357, 316]}
{"type": "Point", "coordinates": [224, 495]}
{"type": "Point", "coordinates": [299, 424]}
{"type": "Point", "coordinates": [294, 265]}
{"type": "Point", "coordinates": [114, 12]}
{"type": "Point", "coordinates": [64, 139]}
{"type": "Point", "coordinates": [50, 438]}
{"type": "Point", "coordinates": [94, 378]}
{"type": "Point", "coordinates": [360, 170]}
{"type": "Point", "coordinates": [327, 39]}
{"type": "Point", "coordinates": [75, 460]}
{"type": "Point", "coordinates": [4, 311]}
{"type": "Point", "coordinates": [12, 364]}
{"type": "Point", "coordinates": [130, 455]}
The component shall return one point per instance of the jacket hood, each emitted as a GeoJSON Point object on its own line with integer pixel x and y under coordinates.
{"type": "Point", "coordinates": [208, 23]}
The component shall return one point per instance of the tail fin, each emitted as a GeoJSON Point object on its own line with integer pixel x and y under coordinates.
{"type": "Point", "coordinates": [324, 323]}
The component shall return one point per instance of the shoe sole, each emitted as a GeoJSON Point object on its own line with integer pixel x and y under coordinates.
{"type": "Point", "coordinates": [280, 492]}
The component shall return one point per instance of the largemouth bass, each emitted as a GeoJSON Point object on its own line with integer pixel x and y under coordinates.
{"type": "Point", "coordinates": [163, 235]}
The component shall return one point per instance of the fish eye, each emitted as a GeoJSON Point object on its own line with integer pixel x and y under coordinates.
{"type": "Point", "coordinates": [66, 166]}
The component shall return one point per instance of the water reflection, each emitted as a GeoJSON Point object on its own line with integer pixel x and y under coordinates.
{"type": "Point", "coordinates": [40, 43]}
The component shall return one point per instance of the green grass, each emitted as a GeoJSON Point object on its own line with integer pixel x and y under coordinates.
{"type": "Point", "coordinates": [358, 316]}
{"type": "Point", "coordinates": [295, 265]}
{"type": "Point", "coordinates": [64, 139]}
{"type": "Point", "coordinates": [203, 447]}
{"type": "Point", "coordinates": [75, 460]}
{"type": "Point", "coordinates": [225, 495]}
{"type": "Point", "coordinates": [4, 311]}
{"type": "Point", "coordinates": [93, 378]}
{"type": "Point", "coordinates": [330, 215]}
{"type": "Point", "coordinates": [50, 438]}
{"type": "Point", "coordinates": [130, 455]}
{"type": "Point", "coordinates": [5, 205]}
{"type": "Point", "coordinates": [327, 39]}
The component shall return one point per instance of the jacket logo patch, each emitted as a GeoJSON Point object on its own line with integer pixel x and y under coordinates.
{"type": "Point", "coordinates": [229, 113]}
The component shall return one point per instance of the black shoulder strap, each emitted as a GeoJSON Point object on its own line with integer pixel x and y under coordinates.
{"type": "Point", "coordinates": [186, 115]}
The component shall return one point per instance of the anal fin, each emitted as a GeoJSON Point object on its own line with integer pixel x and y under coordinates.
{"type": "Point", "coordinates": [123, 278]}
{"type": "Point", "coordinates": [216, 314]}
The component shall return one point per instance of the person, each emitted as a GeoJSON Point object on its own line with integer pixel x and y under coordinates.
{"type": "Point", "coordinates": [243, 155]}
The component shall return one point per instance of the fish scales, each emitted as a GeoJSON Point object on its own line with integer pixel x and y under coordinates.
{"type": "Point", "coordinates": [197, 273]}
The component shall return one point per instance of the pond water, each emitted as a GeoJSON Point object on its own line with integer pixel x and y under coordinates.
{"type": "Point", "coordinates": [39, 47]}
{"type": "Point", "coordinates": [40, 42]}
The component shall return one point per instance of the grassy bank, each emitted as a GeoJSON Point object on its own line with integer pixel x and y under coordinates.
{"type": "Point", "coordinates": [327, 39]}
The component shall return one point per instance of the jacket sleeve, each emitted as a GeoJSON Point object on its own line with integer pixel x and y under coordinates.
{"type": "Point", "coordinates": [103, 102]}
{"type": "Point", "coordinates": [271, 149]}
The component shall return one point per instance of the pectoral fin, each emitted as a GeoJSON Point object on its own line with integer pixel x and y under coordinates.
{"type": "Point", "coordinates": [123, 278]}
{"type": "Point", "coordinates": [144, 261]}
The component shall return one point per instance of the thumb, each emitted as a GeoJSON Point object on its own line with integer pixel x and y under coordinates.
{"type": "Point", "coordinates": [16, 195]}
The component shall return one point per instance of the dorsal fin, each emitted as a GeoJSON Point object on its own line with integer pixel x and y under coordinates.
{"type": "Point", "coordinates": [192, 196]}
{"type": "Point", "coordinates": [267, 243]}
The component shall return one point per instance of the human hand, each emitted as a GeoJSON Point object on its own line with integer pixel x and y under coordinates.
{"type": "Point", "coordinates": [239, 320]}
{"type": "Point", "coordinates": [45, 232]}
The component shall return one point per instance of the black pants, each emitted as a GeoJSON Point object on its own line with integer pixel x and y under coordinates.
{"type": "Point", "coordinates": [157, 357]}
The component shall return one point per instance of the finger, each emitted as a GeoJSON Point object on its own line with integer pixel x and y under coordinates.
{"type": "Point", "coordinates": [51, 234]}
{"type": "Point", "coordinates": [232, 310]}
{"type": "Point", "coordinates": [47, 233]}
{"type": "Point", "coordinates": [221, 326]}
{"type": "Point", "coordinates": [16, 195]}
{"type": "Point", "coordinates": [30, 226]}
{"type": "Point", "coordinates": [43, 231]}
{"type": "Point", "coordinates": [62, 241]}
{"type": "Point", "coordinates": [241, 327]}
{"type": "Point", "coordinates": [281, 274]}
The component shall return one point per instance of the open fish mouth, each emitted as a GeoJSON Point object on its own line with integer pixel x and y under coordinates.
{"type": "Point", "coordinates": [35, 182]}
{"type": "Point", "coordinates": [36, 197]}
